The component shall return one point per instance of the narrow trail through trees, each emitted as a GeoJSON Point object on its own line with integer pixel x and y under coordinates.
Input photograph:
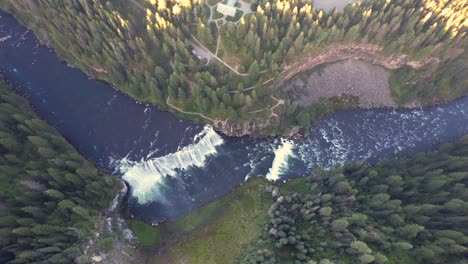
{"type": "Point", "coordinates": [272, 109]}
{"type": "Point", "coordinates": [217, 44]}
{"type": "Point", "coordinates": [197, 43]}
{"type": "Point", "coordinates": [188, 113]}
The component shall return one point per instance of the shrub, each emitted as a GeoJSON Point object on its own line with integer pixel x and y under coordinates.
{"type": "Point", "coordinates": [326, 211]}
{"type": "Point", "coordinates": [366, 258]}
{"type": "Point", "coordinates": [339, 225]}
{"type": "Point", "coordinates": [360, 247]}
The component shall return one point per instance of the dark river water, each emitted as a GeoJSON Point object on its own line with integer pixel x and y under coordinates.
{"type": "Point", "coordinates": [174, 165]}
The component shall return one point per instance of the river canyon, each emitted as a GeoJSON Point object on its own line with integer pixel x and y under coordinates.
{"type": "Point", "coordinates": [173, 165]}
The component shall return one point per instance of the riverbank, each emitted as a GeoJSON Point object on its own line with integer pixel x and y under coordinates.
{"type": "Point", "coordinates": [43, 175]}
{"type": "Point", "coordinates": [360, 70]}
{"type": "Point", "coordinates": [260, 220]}
{"type": "Point", "coordinates": [213, 233]}
{"type": "Point", "coordinates": [113, 241]}
{"type": "Point", "coordinates": [258, 119]}
{"type": "Point", "coordinates": [109, 128]}
{"type": "Point", "coordinates": [104, 125]}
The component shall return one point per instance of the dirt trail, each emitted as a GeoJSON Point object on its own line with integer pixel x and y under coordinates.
{"type": "Point", "coordinates": [217, 44]}
{"type": "Point", "coordinates": [188, 113]}
{"type": "Point", "coordinates": [279, 102]}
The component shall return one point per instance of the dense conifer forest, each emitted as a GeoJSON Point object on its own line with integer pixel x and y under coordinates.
{"type": "Point", "coordinates": [146, 48]}
{"type": "Point", "coordinates": [50, 196]}
{"type": "Point", "coordinates": [411, 210]}
{"type": "Point", "coordinates": [400, 210]}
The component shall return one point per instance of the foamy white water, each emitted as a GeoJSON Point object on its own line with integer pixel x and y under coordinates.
{"type": "Point", "coordinates": [280, 163]}
{"type": "Point", "coordinates": [146, 177]}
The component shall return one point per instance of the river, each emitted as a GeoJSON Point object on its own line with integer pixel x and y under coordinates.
{"type": "Point", "coordinates": [174, 165]}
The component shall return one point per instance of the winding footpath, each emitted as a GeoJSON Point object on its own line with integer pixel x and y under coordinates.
{"type": "Point", "coordinates": [200, 45]}
{"type": "Point", "coordinates": [217, 44]}
{"type": "Point", "coordinates": [188, 113]}
{"type": "Point", "coordinates": [272, 109]}
{"type": "Point", "coordinates": [279, 102]}
{"type": "Point", "coordinates": [251, 87]}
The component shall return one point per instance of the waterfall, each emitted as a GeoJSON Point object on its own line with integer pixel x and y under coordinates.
{"type": "Point", "coordinates": [146, 177]}
{"type": "Point", "coordinates": [282, 154]}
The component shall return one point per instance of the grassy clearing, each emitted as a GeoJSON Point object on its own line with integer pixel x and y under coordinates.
{"type": "Point", "coordinates": [219, 231]}
{"type": "Point", "coordinates": [238, 16]}
{"type": "Point", "coordinates": [147, 235]}
{"type": "Point", "coordinates": [295, 185]}
{"type": "Point", "coordinates": [214, 233]}
{"type": "Point", "coordinates": [233, 55]}
{"type": "Point", "coordinates": [216, 14]}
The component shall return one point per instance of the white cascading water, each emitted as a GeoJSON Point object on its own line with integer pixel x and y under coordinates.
{"type": "Point", "coordinates": [146, 177]}
{"type": "Point", "coordinates": [282, 154]}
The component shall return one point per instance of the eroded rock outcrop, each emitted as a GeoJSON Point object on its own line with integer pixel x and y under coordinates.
{"type": "Point", "coordinates": [367, 52]}
{"type": "Point", "coordinates": [251, 127]}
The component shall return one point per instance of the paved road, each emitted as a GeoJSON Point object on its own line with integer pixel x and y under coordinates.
{"type": "Point", "coordinates": [199, 51]}
{"type": "Point", "coordinates": [245, 7]}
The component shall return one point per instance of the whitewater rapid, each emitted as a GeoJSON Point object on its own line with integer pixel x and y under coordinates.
{"type": "Point", "coordinates": [105, 126]}
{"type": "Point", "coordinates": [147, 177]}
{"type": "Point", "coordinates": [280, 162]}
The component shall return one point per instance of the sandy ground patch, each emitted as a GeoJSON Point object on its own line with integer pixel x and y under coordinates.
{"type": "Point", "coordinates": [351, 77]}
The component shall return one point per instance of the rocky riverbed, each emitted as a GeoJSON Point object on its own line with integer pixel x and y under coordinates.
{"type": "Point", "coordinates": [350, 77]}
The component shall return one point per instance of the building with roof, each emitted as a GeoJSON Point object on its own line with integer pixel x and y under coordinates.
{"type": "Point", "coordinates": [228, 9]}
